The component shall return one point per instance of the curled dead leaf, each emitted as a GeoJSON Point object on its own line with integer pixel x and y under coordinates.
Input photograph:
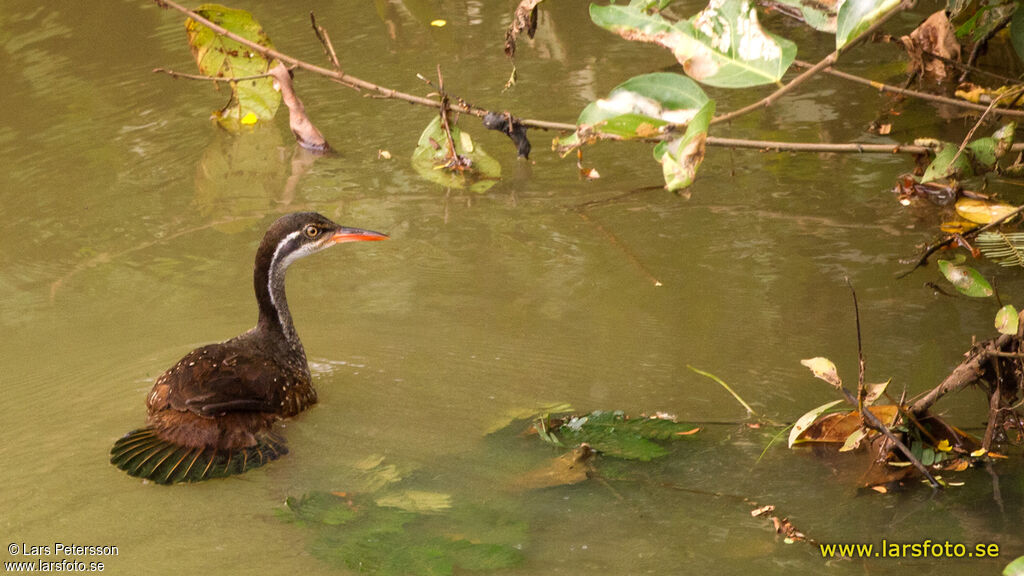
{"type": "Point", "coordinates": [934, 36]}
{"type": "Point", "coordinates": [824, 369]}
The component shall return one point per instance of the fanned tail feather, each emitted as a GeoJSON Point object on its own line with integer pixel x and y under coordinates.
{"type": "Point", "coordinates": [143, 454]}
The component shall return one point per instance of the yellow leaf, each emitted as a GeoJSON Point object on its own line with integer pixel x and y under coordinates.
{"type": "Point", "coordinates": [249, 119]}
{"type": "Point", "coordinates": [823, 368]}
{"type": "Point", "coordinates": [944, 446]}
{"type": "Point", "coordinates": [978, 453]}
{"type": "Point", "coordinates": [980, 211]}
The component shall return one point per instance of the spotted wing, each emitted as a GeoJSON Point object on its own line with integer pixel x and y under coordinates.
{"type": "Point", "coordinates": [217, 379]}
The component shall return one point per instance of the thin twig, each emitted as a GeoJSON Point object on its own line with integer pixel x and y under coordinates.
{"type": "Point", "coordinates": [388, 93]}
{"type": "Point", "coordinates": [881, 87]}
{"type": "Point", "coordinates": [993, 406]}
{"type": "Point", "coordinates": [976, 51]}
{"type": "Point", "coordinates": [1012, 94]}
{"type": "Point", "coordinates": [824, 63]}
{"type": "Point", "coordinates": [325, 41]}
{"type": "Point", "coordinates": [860, 347]}
{"type": "Point", "coordinates": [868, 415]}
{"type": "Point", "coordinates": [174, 74]}
{"type": "Point", "coordinates": [614, 240]}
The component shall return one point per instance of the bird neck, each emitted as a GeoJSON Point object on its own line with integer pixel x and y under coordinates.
{"type": "Point", "coordinates": [268, 280]}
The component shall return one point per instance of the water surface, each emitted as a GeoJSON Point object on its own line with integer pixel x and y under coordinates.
{"type": "Point", "coordinates": [129, 224]}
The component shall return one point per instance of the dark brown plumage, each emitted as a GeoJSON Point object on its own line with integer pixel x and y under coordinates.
{"type": "Point", "coordinates": [212, 413]}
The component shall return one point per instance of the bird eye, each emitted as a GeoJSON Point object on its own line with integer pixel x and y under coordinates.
{"type": "Point", "coordinates": [311, 231]}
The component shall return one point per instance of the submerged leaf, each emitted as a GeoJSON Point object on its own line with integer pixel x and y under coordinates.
{"type": "Point", "coordinates": [391, 541]}
{"type": "Point", "coordinates": [614, 434]}
{"type": "Point", "coordinates": [416, 501]}
{"type": "Point", "coordinates": [569, 468]}
{"type": "Point", "coordinates": [965, 279]}
{"type": "Point", "coordinates": [221, 57]}
{"type": "Point", "coordinates": [723, 45]}
{"type": "Point", "coordinates": [322, 507]}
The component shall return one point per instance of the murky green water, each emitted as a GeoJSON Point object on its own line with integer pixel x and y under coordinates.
{"type": "Point", "coordinates": [128, 229]}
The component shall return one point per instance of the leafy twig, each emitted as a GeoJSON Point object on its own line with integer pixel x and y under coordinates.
{"type": "Point", "coordinates": [227, 80]}
{"type": "Point", "coordinates": [388, 93]}
{"type": "Point", "coordinates": [813, 70]}
{"type": "Point", "coordinates": [325, 41]}
{"type": "Point", "coordinates": [868, 415]}
{"type": "Point", "coordinates": [976, 51]}
{"type": "Point", "coordinates": [1011, 95]}
{"type": "Point", "coordinates": [915, 93]}
{"type": "Point", "coordinates": [923, 259]}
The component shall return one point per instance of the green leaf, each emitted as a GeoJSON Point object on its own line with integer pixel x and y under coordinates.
{"type": "Point", "coordinates": [681, 157]}
{"type": "Point", "coordinates": [806, 420]}
{"type": "Point", "coordinates": [321, 507]}
{"type": "Point", "coordinates": [1005, 249]}
{"type": "Point", "coordinates": [818, 15]}
{"type": "Point", "coordinates": [1007, 320]}
{"type": "Point", "coordinates": [641, 107]}
{"type": "Point", "coordinates": [613, 434]}
{"type": "Point", "coordinates": [656, 99]}
{"type": "Point", "coordinates": [856, 16]}
{"type": "Point", "coordinates": [220, 57]}
{"type": "Point", "coordinates": [723, 45]}
{"type": "Point", "coordinates": [390, 541]}
{"type": "Point", "coordinates": [987, 151]}
{"type": "Point", "coordinates": [965, 279]}
{"type": "Point", "coordinates": [985, 21]}
{"type": "Point", "coordinates": [432, 151]}
{"type": "Point", "coordinates": [853, 440]}
{"type": "Point", "coordinates": [1017, 33]}
{"type": "Point", "coordinates": [943, 166]}
{"type": "Point", "coordinates": [1015, 568]}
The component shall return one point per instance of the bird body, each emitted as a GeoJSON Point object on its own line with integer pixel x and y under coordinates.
{"type": "Point", "coordinates": [212, 414]}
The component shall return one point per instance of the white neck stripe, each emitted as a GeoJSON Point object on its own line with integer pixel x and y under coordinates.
{"type": "Point", "coordinates": [272, 272]}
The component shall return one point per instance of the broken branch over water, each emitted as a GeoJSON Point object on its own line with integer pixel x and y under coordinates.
{"type": "Point", "coordinates": [460, 106]}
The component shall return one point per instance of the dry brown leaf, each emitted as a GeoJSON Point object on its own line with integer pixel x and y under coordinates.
{"type": "Point", "coordinates": [523, 19]}
{"type": "Point", "coordinates": [934, 36]}
{"type": "Point", "coordinates": [835, 428]}
{"type": "Point", "coordinates": [306, 134]}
